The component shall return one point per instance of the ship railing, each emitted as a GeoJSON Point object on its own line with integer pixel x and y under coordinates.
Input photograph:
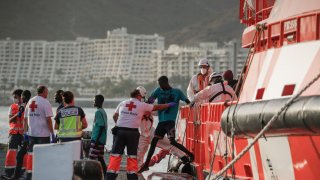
{"type": "Point", "coordinates": [253, 11]}
{"type": "Point", "coordinates": [302, 28]}
{"type": "Point", "coordinates": [197, 129]}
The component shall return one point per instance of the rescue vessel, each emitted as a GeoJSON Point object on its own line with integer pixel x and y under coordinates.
{"type": "Point", "coordinates": [272, 131]}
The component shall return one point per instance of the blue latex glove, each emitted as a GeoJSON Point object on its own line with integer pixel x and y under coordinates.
{"type": "Point", "coordinates": [25, 137]}
{"type": "Point", "coordinates": [19, 114]}
{"type": "Point", "coordinates": [53, 139]}
{"type": "Point", "coordinates": [151, 100]}
{"type": "Point", "coordinates": [171, 104]}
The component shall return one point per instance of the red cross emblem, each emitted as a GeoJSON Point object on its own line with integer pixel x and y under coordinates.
{"type": "Point", "coordinates": [131, 106]}
{"type": "Point", "coordinates": [33, 106]}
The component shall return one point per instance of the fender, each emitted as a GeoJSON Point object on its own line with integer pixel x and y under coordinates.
{"type": "Point", "coordinates": [301, 118]}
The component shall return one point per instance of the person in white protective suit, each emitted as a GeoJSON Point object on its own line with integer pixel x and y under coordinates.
{"type": "Point", "coordinates": [146, 135]}
{"type": "Point", "coordinates": [199, 81]}
{"type": "Point", "coordinates": [218, 91]}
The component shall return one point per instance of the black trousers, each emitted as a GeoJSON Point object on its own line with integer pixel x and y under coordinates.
{"type": "Point", "coordinates": [20, 157]}
{"type": "Point", "coordinates": [32, 142]}
{"type": "Point", "coordinates": [124, 138]}
{"type": "Point", "coordinates": [166, 127]}
{"type": "Point", "coordinates": [15, 141]}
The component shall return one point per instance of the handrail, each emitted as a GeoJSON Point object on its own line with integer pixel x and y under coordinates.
{"type": "Point", "coordinates": [251, 16]}
{"type": "Point", "coordinates": [278, 33]}
{"type": "Point", "coordinates": [265, 9]}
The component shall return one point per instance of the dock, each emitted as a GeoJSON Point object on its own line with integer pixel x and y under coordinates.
{"type": "Point", "coordinates": [121, 176]}
{"type": "Point", "coordinates": [3, 150]}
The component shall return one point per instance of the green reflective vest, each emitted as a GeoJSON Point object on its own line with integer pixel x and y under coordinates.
{"type": "Point", "coordinates": [70, 127]}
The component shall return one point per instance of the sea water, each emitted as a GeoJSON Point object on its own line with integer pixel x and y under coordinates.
{"type": "Point", "coordinates": [4, 126]}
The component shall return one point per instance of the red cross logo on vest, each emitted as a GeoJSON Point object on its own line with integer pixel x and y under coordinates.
{"type": "Point", "coordinates": [130, 106]}
{"type": "Point", "coordinates": [33, 106]}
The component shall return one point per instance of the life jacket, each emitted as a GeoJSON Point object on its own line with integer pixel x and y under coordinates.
{"type": "Point", "coordinates": [17, 126]}
{"type": "Point", "coordinates": [221, 92]}
{"type": "Point", "coordinates": [202, 82]}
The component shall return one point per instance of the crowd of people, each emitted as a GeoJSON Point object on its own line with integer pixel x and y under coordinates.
{"type": "Point", "coordinates": [30, 121]}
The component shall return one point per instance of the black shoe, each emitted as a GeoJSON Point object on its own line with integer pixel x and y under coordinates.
{"type": "Point", "coordinates": [143, 168]}
{"type": "Point", "coordinates": [4, 176]}
{"type": "Point", "coordinates": [18, 173]}
{"type": "Point", "coordinates": [185, 159]}
{"type": "Point", "coordinates": [14, 177]}
{"type": "Point", "coordinates": [10, 178]}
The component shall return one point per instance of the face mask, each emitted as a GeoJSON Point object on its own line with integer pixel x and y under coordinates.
{"type": "Point", "coordinates": [203, 71]}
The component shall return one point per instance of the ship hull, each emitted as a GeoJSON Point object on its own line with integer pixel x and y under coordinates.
{"type": "Point", "coordinates": [284, 57]}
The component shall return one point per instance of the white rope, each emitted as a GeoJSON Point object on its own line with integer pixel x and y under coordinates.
{"type": "Point", "coordinates": [249, 59]}
{"type": "Point", "coordinates": [273, 119]}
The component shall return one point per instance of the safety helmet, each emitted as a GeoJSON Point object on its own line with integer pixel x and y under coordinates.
{"type": "Point", "coordinates": [203, 62]}
{"type": "Point", "coordinates": [142, 91]}
{"type": "Point", "coordinates": [215, 75]}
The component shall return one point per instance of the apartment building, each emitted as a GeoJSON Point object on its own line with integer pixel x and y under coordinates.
{"type": "Point", "coordinates": [82, 61]}
{"type": "Point", "coordinates": [34, 62]}
{"type": "Point", "coordinates": [178, 61]}
{"type": "Point", "coordinates": [143, 66]}
{"type": "Point", "coordinates": [88, 62]}
{"type": "Point", "coordinates": [183, 61]}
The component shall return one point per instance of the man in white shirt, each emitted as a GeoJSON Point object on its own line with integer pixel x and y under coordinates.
{"type": "Point", "coordinates": [218, 91]}
{"type": "Point", "coordinates": [128, 117]}
{"type": "Point", "coordinates": [38, 123]}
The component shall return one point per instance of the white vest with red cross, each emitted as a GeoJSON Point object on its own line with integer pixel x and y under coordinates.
{"type": "Point", "coordinates": [37, 111]}
{"type": "Point", "coordinates": [131, 112]}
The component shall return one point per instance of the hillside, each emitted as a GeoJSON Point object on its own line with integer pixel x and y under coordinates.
{"type": "Point", "coordinates": [180, 21]}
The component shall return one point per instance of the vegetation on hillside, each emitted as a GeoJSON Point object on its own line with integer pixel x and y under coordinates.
{"type": "Point", "coordinates": [181, 22]}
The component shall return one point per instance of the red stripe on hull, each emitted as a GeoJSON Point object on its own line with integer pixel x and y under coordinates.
{"type": "Point", "coordinates": [250, 83]}
{"type": "Point", "coordinates": [242, 166]}
{"type": "Point", "coordinates": [274, 59]}
{"type": "Point", "coordinates": [312, 72]}
{"type": "Point", "coordinates": [305, 152]}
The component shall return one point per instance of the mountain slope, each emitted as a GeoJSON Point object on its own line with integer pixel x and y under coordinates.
{"type": "Point", "coordinates": [180, 21]}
